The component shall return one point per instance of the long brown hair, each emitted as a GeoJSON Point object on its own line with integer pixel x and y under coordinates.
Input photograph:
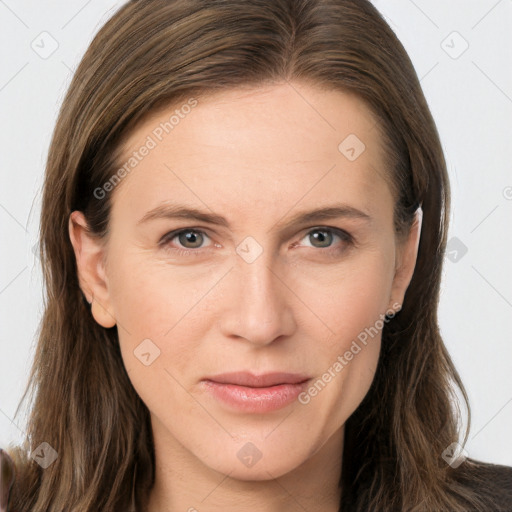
{"type": "Point", "coordinates": [155, 53]}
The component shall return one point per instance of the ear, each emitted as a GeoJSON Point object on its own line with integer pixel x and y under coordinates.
{"type": "Point", "coordinates": [90, 260]}
{"type": "Point", "coordinates": [405, 262]}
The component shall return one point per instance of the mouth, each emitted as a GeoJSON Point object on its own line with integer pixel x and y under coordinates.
{"type": "Point", "coordinates": [246, 392]}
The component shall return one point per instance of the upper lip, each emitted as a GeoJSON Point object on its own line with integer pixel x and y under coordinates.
{"type": "Point", "coordinates": [258, 381]}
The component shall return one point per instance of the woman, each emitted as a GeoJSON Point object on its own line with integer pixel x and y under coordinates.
{"type": "Point", "coordinates": [243, 226]}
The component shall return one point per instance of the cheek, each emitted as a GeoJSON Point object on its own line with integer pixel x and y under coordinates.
{"type": "Point", "coordinates": [352, 297]}
{"type": "Point", "coordinates": [354, 301]}
{"type": "Point", "coordinates": [151, 303]}
{"type": "Point", "coordinates": [174, 308]}
{"type": "Point", "coordinates": [151, 297]}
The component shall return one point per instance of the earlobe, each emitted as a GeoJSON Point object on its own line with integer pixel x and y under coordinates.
{"type": "Point", "coordinates": [89, 255]}
{"type": "Point", "coordinates": [407, 257]}
{"type": "Point", "coordinates": [102, 315]}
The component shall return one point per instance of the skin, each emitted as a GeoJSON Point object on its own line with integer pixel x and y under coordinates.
{"type": "Point", "coordinates": [257, 157]}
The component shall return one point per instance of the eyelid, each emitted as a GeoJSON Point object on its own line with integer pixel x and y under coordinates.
{"type": "Point", "coordinates": [337, 231]}
{"type": "Point", "coordinates": [343, 235]}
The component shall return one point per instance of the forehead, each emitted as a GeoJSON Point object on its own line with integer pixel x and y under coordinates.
{"type": "Point", "coordinates": [269, 144]}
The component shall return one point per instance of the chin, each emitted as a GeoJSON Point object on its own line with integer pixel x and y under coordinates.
{"type": "Point", "coordinates": [248, 461]}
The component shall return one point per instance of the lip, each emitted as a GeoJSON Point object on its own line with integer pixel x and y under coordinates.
{"type": "Point", "coordinates": [246, 392]}
{"type": "Point", "coordinates": [258, 381]}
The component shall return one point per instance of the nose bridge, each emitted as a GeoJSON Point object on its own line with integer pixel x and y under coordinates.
{"type": "Point", "coordinates": [259, 310]}
{"type": "Point", "coordinates": [258, 279]}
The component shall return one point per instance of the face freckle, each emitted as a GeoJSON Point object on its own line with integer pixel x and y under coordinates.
{"type": "Point", "coordinates": [263, 288]}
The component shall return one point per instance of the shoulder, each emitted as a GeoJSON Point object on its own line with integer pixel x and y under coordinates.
{"type": "Point", "coordinates": [490, 482]}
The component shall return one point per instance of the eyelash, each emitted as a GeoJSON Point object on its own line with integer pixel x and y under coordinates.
{"type": "Point", "coordinates": [167, 238]}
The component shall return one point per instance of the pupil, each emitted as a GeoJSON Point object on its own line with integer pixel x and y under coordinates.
{"type": "Point", "coordinates": [190, 237]}
{"type": "Point", "coordinates": [321, 236]}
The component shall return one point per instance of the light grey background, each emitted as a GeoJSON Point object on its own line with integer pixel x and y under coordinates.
{"type": "Point", "coordinates": [469, 91]}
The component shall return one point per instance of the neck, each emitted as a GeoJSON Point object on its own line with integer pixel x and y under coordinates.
{"type": "Point", "coordinates": [185, 483]}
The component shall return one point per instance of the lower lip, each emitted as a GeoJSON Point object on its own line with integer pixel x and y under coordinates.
{"type": "Point", "coordinates": [255, 400]}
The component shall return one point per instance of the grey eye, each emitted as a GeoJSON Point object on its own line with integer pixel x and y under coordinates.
{"type": "Point", "coordinates": [195, 238]}
{"type": "Point", "coordinates": [321, 238]}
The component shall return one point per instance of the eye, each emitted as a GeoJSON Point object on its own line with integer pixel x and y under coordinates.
{"type": "Point", "coordinates": [186, 238]}
{"type": "Point", "coordinates": [191, 239]}
{"type": "Point", "coordinates": [324, 238]}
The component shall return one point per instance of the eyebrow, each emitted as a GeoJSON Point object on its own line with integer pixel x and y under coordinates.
{"type": "Point", "coordinates": [178, 211]}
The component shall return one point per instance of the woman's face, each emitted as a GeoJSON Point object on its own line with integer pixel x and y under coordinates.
{"type": "Point", "coordinates": [260, 283]}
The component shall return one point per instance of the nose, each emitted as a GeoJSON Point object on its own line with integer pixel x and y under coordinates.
{"type": "Point", "coordinates": [259, 308]}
